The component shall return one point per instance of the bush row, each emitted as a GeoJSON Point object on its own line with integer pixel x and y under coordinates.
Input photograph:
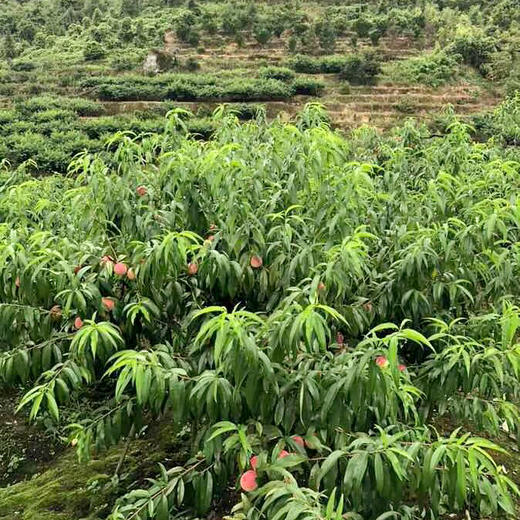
{"type": "Point", "coordinates": [42, 130]}
{"type": "Point", "coordinates": [358, 69]}
{"type": "Point", "coordinates": [194, 88]}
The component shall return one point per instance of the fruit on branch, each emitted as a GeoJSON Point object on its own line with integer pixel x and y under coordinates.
{"type": "Point", "coordinates": [381, 361]}
{"type": "Point", "coordinates": [248, 480]}
{"type": "Point", "coordinates": [120, 269]}
{"type": "Point", "coordinates": [130, 274]}
{"type": "Point", "coordinates": [78, 323]}
{"type": "Point", "coordinates": [108, 303]}
{"type": "Point", "coordinates": [142, 191]}
{"type": "Point", "coordinates": [256, 262]}
{"type": "Point", "coordinates": [55, 313]}
{"type": "Point", "coordinates": [107, 261]}
{"type": "Point", "coordinates": [310, 444]}
{"type": "Point", "coordinates": [298, 440]}
{"type": "Point", "coordinates": [193, 268]}
{"type": "Point", "coordinates": [253, 461]}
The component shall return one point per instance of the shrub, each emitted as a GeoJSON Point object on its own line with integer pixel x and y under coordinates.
{"type": "Point", "coordinates": [80, 106]}
{"type": "Point", "coordinates": [513, 83]}
{"type": "Point", "coordinates": [292, 44]}
{"type": "Point", "coordinates": [499, 66]}
{"type": "Point", "coordinates": [326, 35]}
{"type": "Point", "coordinates": [362, 26]}
{"type": "Point", "coordinates": [246, 111]}
{"type": "Point", "coordinates": [262, 34]}
{"type": "Point", "coordinates": [184, 26]}
{"type": "Point", "coordinates": [323, 65]}
{"type": "Point", "coordinates": [187, 88]}
{"type": "Point", "coordinates": [361, 69]}
{"type": "Point", "coordinates": [9, 49]}
{"type": "Point", "coordinates": [93, 51]}
{"type": "Point", "coordinates": [21, 65]}
{"type": "Point", "coordinates": [125, 61]}
{"type": "Point", "coordinates": [332, 64]}
{"type": "Point", "coordinates": [474, 46]}
{"type": "Point", "coordinates": [7, 117]}
{"type": "Point", "coordinates": [305, 64]}
{"type": "Point", "coordinates": [338, 247]}
{"type": "Point", "coordinates": [192, 63]}
{"type": "Point", "coordinates": [279, 73]}
{"type": "Point", "coordinates": [308, 87]}
{"type": "Point", "coordinates": [433, 69]}
{"type": "Point", "coordinates": [54, 114]}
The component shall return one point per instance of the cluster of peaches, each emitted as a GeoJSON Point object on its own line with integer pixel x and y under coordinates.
{"type": "Point", "coordinates": [248, 480]}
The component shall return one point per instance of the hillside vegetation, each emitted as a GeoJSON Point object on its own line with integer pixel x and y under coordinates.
{"type": "Point", "coordinates": [262, 309]}
{"type": "Point", "coordinates": [370, 62]}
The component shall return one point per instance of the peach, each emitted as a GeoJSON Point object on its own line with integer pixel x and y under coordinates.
{"type": "Point", "coordinates": [120, 269]}
{"type": "Point", "coordinates": [141, 191]}
{"type": "Point", "coordinates": [256, 262]}
{"type": "Point", "coordinates": [248, 480]}
{"type": "Point", "coordinates": [253, 461]}
{"type": "Point", "coordinates": [310, 444]}
{"type": "Point", "coordinates": [130, 274]}
{"type": "Point", "coordinates": [106, 260]}
{"type": "Point", "coordinates": [108, 303]}
{"type": "Point", "coordinates": [381, 361]}
{"type": "Point", "coordinates": [193, 268]}
{"type": "Point", "coordinates": [298, 440]}
{"type": "Point", "coordinates": [283, 454]}
{"type": "Point", "coordinates": [78, 323]}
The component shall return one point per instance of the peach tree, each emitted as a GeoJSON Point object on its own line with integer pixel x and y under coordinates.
{"type": "Point", "coordinates": [305, 307]}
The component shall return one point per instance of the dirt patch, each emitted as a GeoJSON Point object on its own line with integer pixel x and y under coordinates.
{"type": "Point", "coordinates": [25, 449]}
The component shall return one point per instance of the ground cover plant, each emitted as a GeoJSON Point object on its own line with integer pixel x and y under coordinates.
{"type": "Point", "coordinates": [302, 308]}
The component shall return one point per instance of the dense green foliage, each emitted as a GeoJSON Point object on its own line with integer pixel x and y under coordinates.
{"type": "Point", "coordinates": [49, 131]}
{"type": "Point", "coordinates": [276, 281]}
{"type": "Point", "coordinates": [434, 69]}
{"type": "Point", "coordinates": [190, 87]}
{"type": "Point", "coordinates": [324, 320]}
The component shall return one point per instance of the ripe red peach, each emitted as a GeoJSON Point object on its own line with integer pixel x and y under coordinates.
{"type": "Point", "coordinates": [248, 480]}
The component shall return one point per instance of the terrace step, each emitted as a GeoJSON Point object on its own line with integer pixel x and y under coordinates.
{"type": "Point", "coordinates": [415, 96]}
{"type": "Point", "coordinates": [402, 107]}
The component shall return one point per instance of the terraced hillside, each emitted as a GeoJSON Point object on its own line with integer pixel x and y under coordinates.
{"type": "Point", "coordinates": [381, 105]}
{"type": "Point", "coordinates": [427, 55]}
